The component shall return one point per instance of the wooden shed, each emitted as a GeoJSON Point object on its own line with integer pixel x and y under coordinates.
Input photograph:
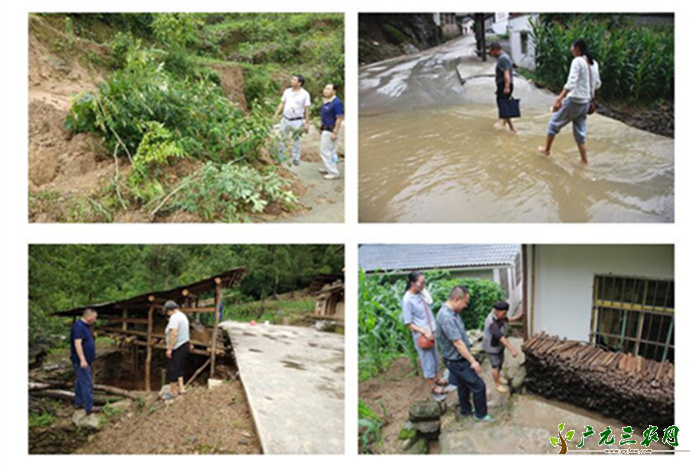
{"type": "Point", "coordinates": [139, 325]}
{"type": "Point", "coordinates": [330, 295]}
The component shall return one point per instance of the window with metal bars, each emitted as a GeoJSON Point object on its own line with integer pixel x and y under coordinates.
{"type": "Point", "coordinates": [634, 315]}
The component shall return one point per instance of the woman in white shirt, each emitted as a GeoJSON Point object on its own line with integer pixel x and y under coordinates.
{"type": "Point", "coordinates": [573, 103]}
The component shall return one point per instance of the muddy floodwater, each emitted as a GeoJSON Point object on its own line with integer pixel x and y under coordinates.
{"type": "Point", "coordinates": [429, 152]}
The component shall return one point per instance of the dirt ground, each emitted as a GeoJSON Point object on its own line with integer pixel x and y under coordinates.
{"type": "Point", "coordinates": [390, 395]}
{"type": "Point", "coordinates": [203, 421]}
{"type": "Point", "coordinates": [320, 201]}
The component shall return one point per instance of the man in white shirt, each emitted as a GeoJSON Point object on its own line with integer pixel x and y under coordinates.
{"type": "Point", "coordinates": [177, 343]}
{"type": "Point", "coordinates": [294, 108]}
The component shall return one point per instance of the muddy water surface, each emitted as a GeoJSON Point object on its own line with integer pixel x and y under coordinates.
{"type": "Point", "coordinates": [429, 152]}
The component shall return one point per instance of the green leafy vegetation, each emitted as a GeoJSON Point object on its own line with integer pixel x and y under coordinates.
{"type": "Point", "coordinates": [44, 419]}
{"type": "Point", "coordinates": [636, 62]}
{"type": "Point", "coordinates": [381, 333]}
{"type": "Point", "coordinates": [66, 276]}
{"type": "Point", "coordinates": [109, 412]}
{"type": "Point", "coordinates": [228, 192]}
{"type": "Point", "coordinates": [369, 428]}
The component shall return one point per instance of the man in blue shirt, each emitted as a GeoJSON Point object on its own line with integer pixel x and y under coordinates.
{"type": "Point", "coordinates": [331, 119]}
{"type": "Point", "coordinates": [82, 355]}
{"type": "Point", "coordinates": [464, 368]}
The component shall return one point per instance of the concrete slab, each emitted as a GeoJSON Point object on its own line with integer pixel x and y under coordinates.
{"type": "Point", "coordinates": [294, 379]}
{"type": "Point", "coordinates": [527, 428]}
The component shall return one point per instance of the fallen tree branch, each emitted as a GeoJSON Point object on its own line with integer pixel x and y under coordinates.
{"type": "Point", "coordinates": [65, 395]}
{"type": "Point", "coordinates": [64, 386]}
{"type": "Point", "coordinates": [116, 177]}
{"type": "Point", "coordinates": [172, 193]}
{"type": "Point", "coordinates": [197, 372]}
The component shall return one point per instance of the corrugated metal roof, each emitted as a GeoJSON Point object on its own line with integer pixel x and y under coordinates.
{"type": "Point", "coordinates": [395, 257]}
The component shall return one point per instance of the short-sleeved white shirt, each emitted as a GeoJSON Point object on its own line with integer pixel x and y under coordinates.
{"type": "Point", "coordinates": [295, 103]}
{"type": "Point", "coordinates": [180, 322]}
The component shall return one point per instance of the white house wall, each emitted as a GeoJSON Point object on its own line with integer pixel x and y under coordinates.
{"type": "Point", "coordinates": [563, 288]}
{"type": "Point", "coordinates": [500, 23]}
{"type": "Point", "coordinates": [516, 25]}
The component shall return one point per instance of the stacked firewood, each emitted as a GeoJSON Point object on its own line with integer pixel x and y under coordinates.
{"type": "Point", "coordinates": [630, 388]}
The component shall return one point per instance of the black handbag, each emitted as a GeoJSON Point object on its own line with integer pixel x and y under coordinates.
{"type": "Point", "coordinates": [508, 108]}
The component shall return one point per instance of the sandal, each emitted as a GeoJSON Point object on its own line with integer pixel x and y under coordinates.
{"type": "Point", "coordinates": [438, 390]}
{"type": "Point", "coordinates": [442, 383]}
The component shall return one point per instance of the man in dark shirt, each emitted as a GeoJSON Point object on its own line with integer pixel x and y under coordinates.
{"type": "Point", "coordinates": [495, 341]}
{"type": "Point", "coordinates": [504, 79]}
{"type": "Point", "coordinates": [82, 355]}
{"type": "Point", "coordinates": [331, 119]}
{"type": "Point", "coordinates": [464, 368]}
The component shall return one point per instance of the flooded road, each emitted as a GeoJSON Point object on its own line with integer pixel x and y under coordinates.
{"type": "Point", "coordinates": [429, 152]}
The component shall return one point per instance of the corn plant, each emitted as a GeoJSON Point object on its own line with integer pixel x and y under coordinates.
{"type": "Point", "coordinates": [636, 62]}
{"type": "Point", "coordinates": [382, 335]}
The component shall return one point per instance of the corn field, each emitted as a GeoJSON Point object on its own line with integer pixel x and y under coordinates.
{"type": "Point", "coordinates": [636, 62]}
{"type": "Point", "coordinates": [382, 336]}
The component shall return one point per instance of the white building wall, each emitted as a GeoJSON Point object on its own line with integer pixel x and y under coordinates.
{"type": "Point", "coordinates": [563, 288]}
{"type": "Point", "coordinates": [516, 26]}
{"type": "Point", "coordinates": [500, 23]}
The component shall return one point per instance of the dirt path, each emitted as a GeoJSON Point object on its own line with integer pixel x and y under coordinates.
{"type": "Point", "coordinates": [204, 420]}
{"type": "Point", "coordinates": [390, 394]}
{"type": "Point", "coordinates": [323, 201]}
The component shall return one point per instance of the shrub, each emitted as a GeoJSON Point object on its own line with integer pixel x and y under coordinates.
{"type": "Point", "coordinates": [177, 29]}
{"type": "Point", "coordinates": [158, 147]}
{"type": "Point", "coordinates": [121, 45]}
{"type": "Point", "coordinates": [229, 192]}
{"type": "Point", "coordinates": [193, 109]}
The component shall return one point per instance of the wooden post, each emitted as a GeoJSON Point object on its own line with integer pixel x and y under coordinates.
{"type": "Point", "coordinates": [125, 315]}
{"type": "Point", "coordinates": [149, 347]}
{"type": "Point", "coordinates": [215, 333]}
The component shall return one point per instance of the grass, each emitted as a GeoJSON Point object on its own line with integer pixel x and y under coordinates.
{"type": "Point", "coordinates": [44, 419]}
{"type": "Point", "coordinates": [68, 208]}
{"type": "Point", "coordinates": [274, 311]}
{"type": "Point", "coordinates": [109, 412]}
{"type": "Point", "coordinates": [369, 427]}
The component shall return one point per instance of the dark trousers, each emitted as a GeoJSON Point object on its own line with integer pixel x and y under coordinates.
{"type": "Point", "coordinates": [500, 94]}
{"type": "Point", "coordinates": [468, 383]}
{"type": "Point", "coordinates": [177, 362]}
{"type": "Point", "coordinates": [83, 387]}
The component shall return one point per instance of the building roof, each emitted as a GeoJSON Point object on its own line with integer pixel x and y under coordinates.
{"type": "Point", "coordinates": [320, 281]}
{"type": "Point", "coordinates": [142, 303]}
{"type": "Point", "coordinates": [400, 257]}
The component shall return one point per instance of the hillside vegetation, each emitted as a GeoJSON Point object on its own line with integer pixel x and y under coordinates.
{"type": "Point", "coordinates": [167, 117]}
